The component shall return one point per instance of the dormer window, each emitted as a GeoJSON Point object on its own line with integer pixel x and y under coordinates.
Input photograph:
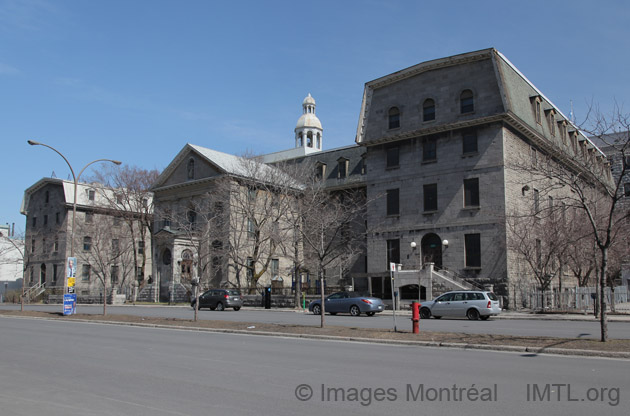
{"type": "Point", "coordinates": [342, 165]}
{"type": "Point", "coordinates": [467, 103]}
{"type": "Point", "coordinates": [551, 118]}
{"type": "Point", "coordinates": [394, 118]}
{"type": "Point", "coordinates": [537, 108]}
{"type": "Point", "coordinates": [320, 171]}
{"type": "Point", "coordinates": [428, 110]}
{"type": "Point", "coordinates": [562, 130]}
{"type": "Point", "coordinates": [91, 195]}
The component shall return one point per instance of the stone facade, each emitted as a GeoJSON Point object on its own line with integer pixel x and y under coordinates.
{"type": "Point", "coordinates": [103, 244]}
{"type": "Point", "coordinates": [440, 139]}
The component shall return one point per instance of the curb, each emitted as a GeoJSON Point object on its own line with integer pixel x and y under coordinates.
{"type": "Point", "coordinates": [451, 345]}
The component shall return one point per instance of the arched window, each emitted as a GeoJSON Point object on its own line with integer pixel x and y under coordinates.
{"type": "Point", "coordinates": [309, 139]}
{"type": "Point", "coordinates": [394, 118]}
{"type": "Point", "coordinates": [300, 140]}
{"type": "Point", "coordinates": [428, 110]}
{"type": "Point", "coordinates": [319, 141]}
{"type": "Point", "coordinates": [191, 169]}
{"type": "Point", "coordinates": [466, 102]}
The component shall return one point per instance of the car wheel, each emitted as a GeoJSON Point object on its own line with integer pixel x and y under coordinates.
{"type": "Point", "coordinates": [220, 307]}
{"type": "Point", "coordinates": [212, 308]}
{"type": "Point", "coordinates": [237, 308]}
{"type": "Point", "coordinates": [472, 314]}
{"type": "Point", "coordinates": [354, 310]}
{"type": "Point", "coordinates": [333, 313]}
{"type": "Point", "coordinates": [317, 310]}
{"type": "Point", "coordinates": [485, 318]}
{"type": "Point", "coordinates": [425, 313]}
{"type": "Point", "coordinates": [370, 313]}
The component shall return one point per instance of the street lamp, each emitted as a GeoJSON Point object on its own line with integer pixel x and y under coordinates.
{"type": "Point", "coordinates": [76, 183]}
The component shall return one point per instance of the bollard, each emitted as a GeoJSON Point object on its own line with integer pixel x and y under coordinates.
{"type": "Point", "coordinates": [415, 316]}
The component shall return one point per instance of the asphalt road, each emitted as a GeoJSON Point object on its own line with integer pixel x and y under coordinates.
{"type": "Point", "coordinates": [520, 327]}
{"type": "Point", "coordinates": [70, 368]}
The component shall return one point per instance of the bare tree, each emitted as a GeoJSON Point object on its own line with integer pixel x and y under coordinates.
{"type": "Point", "coordinates": [132, 202]}
{"type": "Point", "coordinates": [580, 178]}
{"type": "Point", "coordinates": [108, 252]}
{"type": "Point", "coordinates": [258, 203]}
{"type": "Point", "coordinates": [332, 230]}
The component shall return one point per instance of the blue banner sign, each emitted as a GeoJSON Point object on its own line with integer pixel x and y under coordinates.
{"type": "Point", "coordinates": [69, 304]}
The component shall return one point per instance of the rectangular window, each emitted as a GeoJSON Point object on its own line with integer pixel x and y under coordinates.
{"type": "Point", "coordinates": [85, 273]}
{"type": "Point", "coordinates": [140, 247]}
{"type": "Point", "coordinates": [250, 269]}
{"type": "Point", "coordinates": [89, 217]}
{"type": "Point", "coordinates": [471, 192]}
{"type": "Point", "coordinates": [538, 254]}
{"type": "Point", "coordinates": [32, 245]}
{"type": "Point", "coordinates": [275, 268]}
{"type": "Point", "coordinates": [430, 197]}
{"type": "Point", "coordinates": [393, 206]}
{"type": "Point", "coordinates": [342, 166]}
{"type": "Point", "coordinates": [392, 157]}
{"type": "Point", "coordinates": [320, 171]}
{"type": "Point", "coordinates": [34, 221]}
{"type": "Point", "coordinates": [536, 201]}
{"type": "Point", "coordinates": [251, 228]}
{"type": "Point", "coordinates": [114, 273]}
{"type": "Point", "coordinates": [87, 243]}
{"type": "Point", "coordinates": [57, 218]}
{"type": "Point", "coordinates": [91, 195]}
{"type": "Point", "coordinates": [56, 244]}
{"type": "Point", "coordinates": [116, 221]}
{"type": "Point", "coordinates": [626, 189]}
{"type": "Point", "coordinates": [393, 252]}
{"type": "Point", "coordinates": [473, 250]}
{"type": "Point", "coordinates": [534, 156]}
{"type": "Point", "coordinates": [55, 270]}
{"type": "Point", "coordinates": [429, 149]}
{"type": "Point", "coordinates": [44, 245]}
{"type": "Point", "coordinates": [115, 246]}
{"type": "Point", "coordinates": [469, 142]}
{"type": "Point", "coordinates": [45, 219]}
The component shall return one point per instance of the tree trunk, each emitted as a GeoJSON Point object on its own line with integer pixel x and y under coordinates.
{"type": "Point", "coordinates": [322, 296]}
{"type": "Point", "coordinates": [602, 296]}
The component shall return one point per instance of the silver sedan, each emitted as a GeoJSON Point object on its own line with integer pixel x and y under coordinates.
{"type": "Point", "coordinates": [348, 302]}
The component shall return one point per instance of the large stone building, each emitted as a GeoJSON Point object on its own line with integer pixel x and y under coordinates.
{"type": "Point", "coordinates": [200, 185]}
{"type": "Point", "coordinates": [441, 137]}
{"type": "Point", "coordinates": [107, 252]}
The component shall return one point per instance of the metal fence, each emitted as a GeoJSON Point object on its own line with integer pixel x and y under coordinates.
{"type": "Point", "coordinates": [574, 298]}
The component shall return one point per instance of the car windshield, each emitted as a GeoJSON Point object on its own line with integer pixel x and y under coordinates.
{"type": "Point", "coordinates": [492, 296]}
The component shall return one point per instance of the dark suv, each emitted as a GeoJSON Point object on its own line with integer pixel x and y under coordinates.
{"type": "Point", "coordinates": [220, 299]}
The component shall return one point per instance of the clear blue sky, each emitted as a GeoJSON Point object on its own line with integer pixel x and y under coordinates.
{"type": "Point", "coordinates": [136, 80]}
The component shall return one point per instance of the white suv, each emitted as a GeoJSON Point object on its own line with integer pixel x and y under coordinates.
{"type": "Point", "coordinates": [466, 303]}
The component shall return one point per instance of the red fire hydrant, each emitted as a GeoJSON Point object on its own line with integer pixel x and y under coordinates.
{"type": "Point", "coordinates": [415, 316]}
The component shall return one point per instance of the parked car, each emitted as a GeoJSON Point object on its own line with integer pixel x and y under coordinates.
{"type": "Point", "coordinates": [220, 299]}
{"type": "Point", "coordinates": [472, 304]}
{"type": "Point", "coordinates": [348, 302]}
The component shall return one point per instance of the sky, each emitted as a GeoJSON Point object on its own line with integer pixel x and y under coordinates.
{"type": "Point", "coordinates": [136, 80]}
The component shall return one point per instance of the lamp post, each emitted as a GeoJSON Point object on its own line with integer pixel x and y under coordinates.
{"type": "Point", "coordinates": [75, 179]}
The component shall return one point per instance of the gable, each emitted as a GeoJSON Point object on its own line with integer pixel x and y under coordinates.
{"type": "Point", "coordinates": [179, 173]}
